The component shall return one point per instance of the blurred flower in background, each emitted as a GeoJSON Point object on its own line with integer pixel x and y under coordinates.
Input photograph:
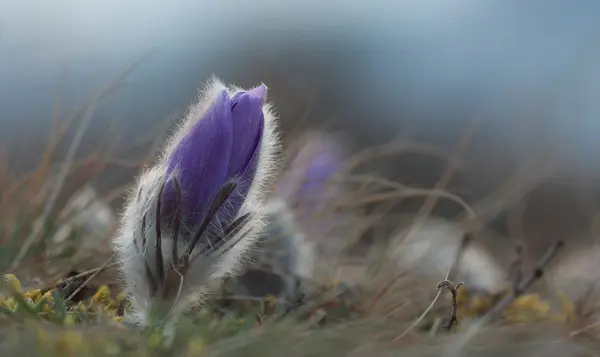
{"type": "Point", "coordinates": [315, 158]}
{"type": "Point", "coordinates": [302, 223]}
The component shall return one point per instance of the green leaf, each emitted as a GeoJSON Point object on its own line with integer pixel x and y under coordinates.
{"type": "Point", "coordinates": [59, 305]}
{"type": "Point", "coordinates": [39, 306]}
{"type": "Point", "coordinates": [23, 305]}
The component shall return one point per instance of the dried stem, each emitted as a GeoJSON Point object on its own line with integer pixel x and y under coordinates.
{"type": "Point", "coordinates": [515, 271]}
{"type": "Point", "coordinates": [447, 285]}
{"type": "Point", "coordinates": [84, 284]}
{"type": "Point", "coordinates": [467, 238]}
{"type": "Point", "coordinates": [538, 271]}
{"type": "Point", "coordinates": [94, 271]}
{"type": "Point", "coordinates": [536, 274]}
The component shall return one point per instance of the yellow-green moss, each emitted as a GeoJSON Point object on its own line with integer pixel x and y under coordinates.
{"type": "Point", "coordinates": [527, 308]}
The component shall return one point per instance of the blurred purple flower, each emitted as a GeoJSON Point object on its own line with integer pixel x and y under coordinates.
{"type": "Point", "coordinates": [308, 188]}
{"type": "Point", "coordinates": [319, 171]}
{"type": "Point", "coordinates": [222, 146]}
{"type": "Point", "coordinates": [315, 163]}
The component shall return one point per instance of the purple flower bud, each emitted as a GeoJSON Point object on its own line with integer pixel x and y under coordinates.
{"type": "Point", "coordinates": [222, 146]}
{"type": "Point", "coordinates": [195, 213]}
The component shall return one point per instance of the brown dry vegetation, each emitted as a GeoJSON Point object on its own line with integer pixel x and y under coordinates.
{"type": "Point", "coordinates": [374, 307]}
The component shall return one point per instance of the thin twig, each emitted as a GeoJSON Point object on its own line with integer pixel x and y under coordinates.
{"type": "Point", "coordinates": [515, 271]}
{"type": "Point", "coordinates": [80, 275]}
{"type": "Point", "coordinates": [84, 284]}
{"type": "Point", "coordinates": [447, 285]}
{"type": "Point", "coordinates": [435, 326]}
{"type": "Point", "coordinates": [536, 274]}
{"type": "Point", "coordinates": [585, 329]}
{"type": "Point", "coordinates": [458, 257]}
{"type": "Point", "coordinates": [382, 292]}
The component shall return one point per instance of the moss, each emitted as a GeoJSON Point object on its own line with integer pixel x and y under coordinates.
{"type": "Point", "coordinates": [51, 306]}
{"type": "Point", "coordinates": [95, 327]}
{"type": "Point", "coordinates": [527, 308]}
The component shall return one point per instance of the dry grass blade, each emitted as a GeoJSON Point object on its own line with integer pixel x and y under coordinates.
{"type": "Point", "coordinates": [66, 167]}
{"type": "Point", "coordinates": [444, 180]}
{"type": "Point", "coordinates": [393, 148]}
{"type": "Point", "coordinates": [57, 188]}
{"type": "Point", "coordinates": [84, 274]}
{"type": "Point", "coordinates": [400, 191]}
{"type": "Point", "coordinates": [585, 329]}
{"type": "Point", "coordinates": [426, 210]}
{"type": "Point", "coordinates": [87, 281]}
{"type": "Point", "coordinates": [529, 176]}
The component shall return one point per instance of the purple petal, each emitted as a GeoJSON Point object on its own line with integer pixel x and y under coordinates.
{"type": "Point", "coordinates": [201, 160]}
{"type": "Point", "coordinates": [236, 99]}
{"type": "Point", "coordinates": [245, 180]}
{"type": "Point", "coordinates": [248, 123]}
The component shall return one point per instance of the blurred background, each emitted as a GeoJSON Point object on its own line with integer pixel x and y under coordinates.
{"type": "Point", "coordinates": [524, 74]}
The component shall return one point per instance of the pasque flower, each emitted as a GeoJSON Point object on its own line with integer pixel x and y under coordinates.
{"type": "Point", "coordinates": [197, 210]}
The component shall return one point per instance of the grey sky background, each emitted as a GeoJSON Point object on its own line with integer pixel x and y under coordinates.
{"type": "Point", "coordinates": [373, 62]}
